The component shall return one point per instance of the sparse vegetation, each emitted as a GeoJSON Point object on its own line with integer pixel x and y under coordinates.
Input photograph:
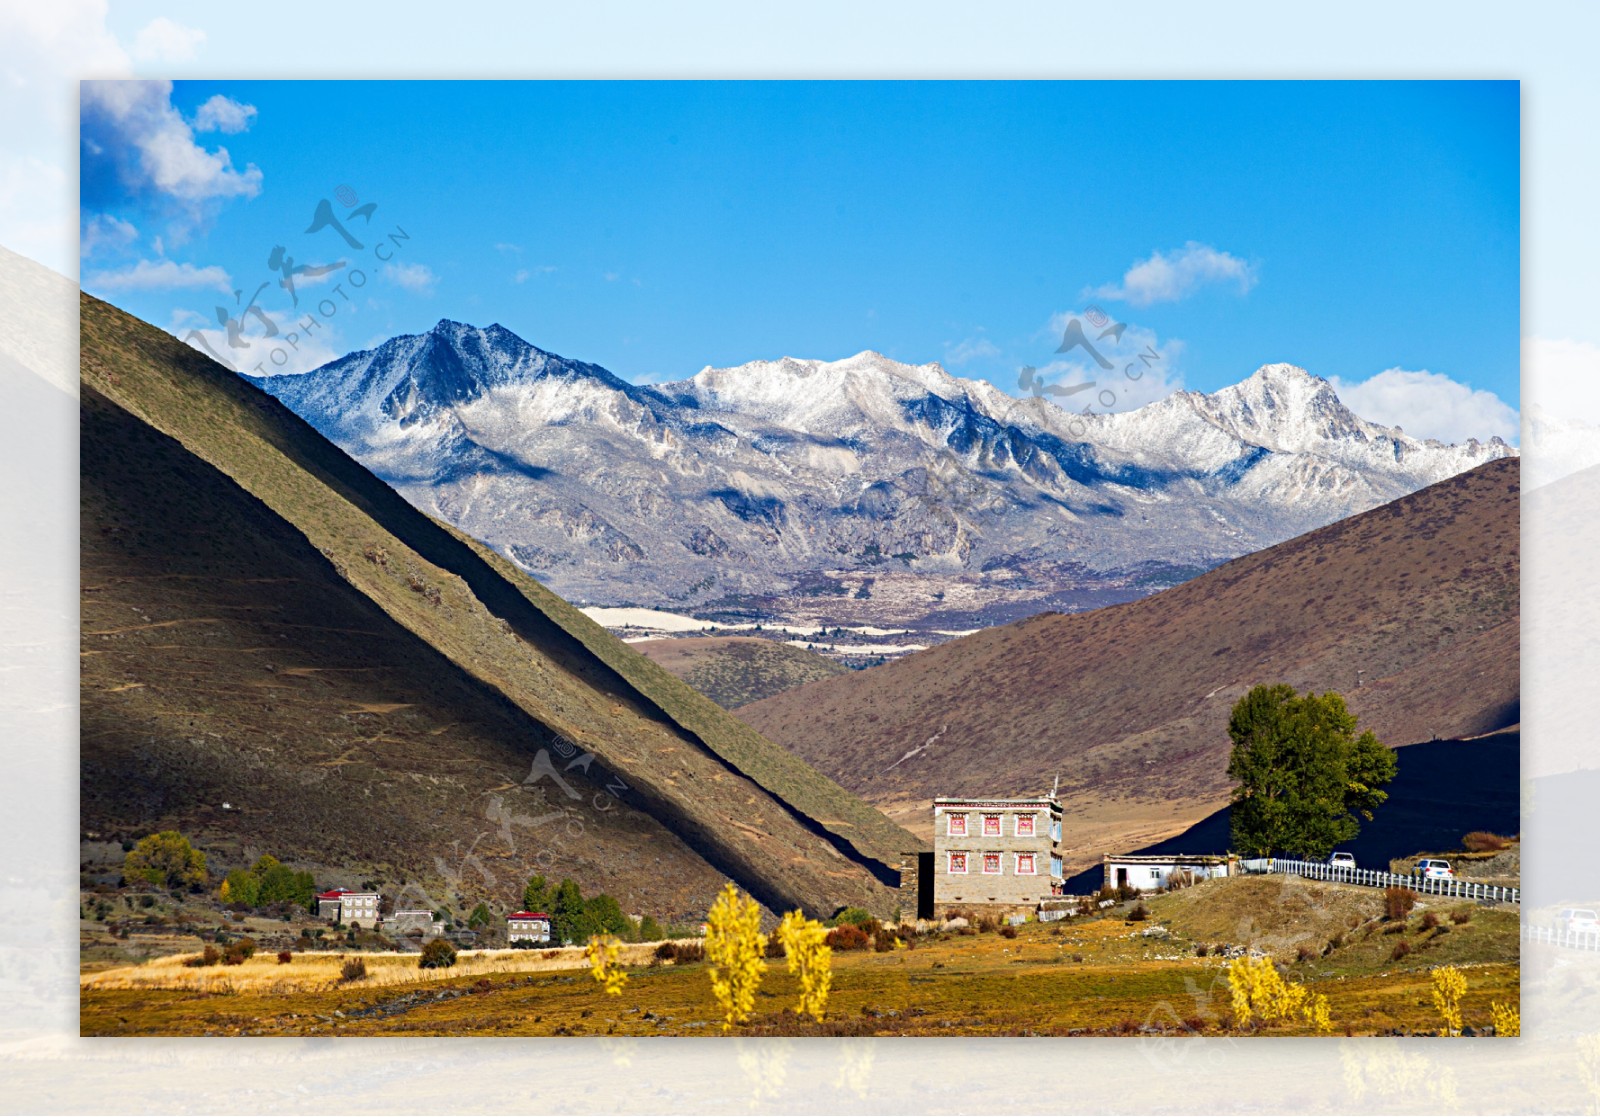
{"type": "Point", "coordinates": [354, 969]}
{"type": "Point", "coordinates": [1482, 841]}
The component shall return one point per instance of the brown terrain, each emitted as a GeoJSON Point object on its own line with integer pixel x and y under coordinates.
{"type": "Point", "coordinates": [1410, 610]}
{"type": "Point", "coordinates": [736, 670]}
{"type": "Point", "coordinates": [281, 655]}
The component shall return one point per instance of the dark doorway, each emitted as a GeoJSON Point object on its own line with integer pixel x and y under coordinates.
{"type": "Point", "coordinates": [1122, 878]}
{"type": "Point", "coordinates": [924, 886]}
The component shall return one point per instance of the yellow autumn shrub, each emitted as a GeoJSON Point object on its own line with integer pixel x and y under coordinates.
{"type": "Point", "coordinates": [809, 958]}
{"type": "Point", "coordinates": [604, 953]}
{"type": "Point", "coordinates": [735, 947]}
{"type": "Point", "coordinates": [1449, 986]}
{"type": "Point", "coordinates": [1507, 1019]}
{"type": "Point", "coordinates": [1258, 990]}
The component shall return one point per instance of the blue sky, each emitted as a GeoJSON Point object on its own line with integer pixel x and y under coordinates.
{"type": "Point", "coordinates": [1368, 231]}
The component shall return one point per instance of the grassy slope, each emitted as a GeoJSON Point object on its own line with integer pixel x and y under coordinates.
{"type": "Point", "coordinates": [1129, 704]}
{"type": "Point", "coordinates": [734, 671]}
{"type": "Point", "coordinates": [226, 661]}
{"type": "Point", "coordinates": [720, 786]}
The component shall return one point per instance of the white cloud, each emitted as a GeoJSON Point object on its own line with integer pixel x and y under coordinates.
{"type": "Point", "coordinates": [524, 274]}
{"type": "Point", "coordinates": [970, 349]}
{"type": "Point", "coordinates": [1429, 405]}
{"type": "Point", "coordinates": [1561, 376]}
{"type": "Point", "coordinates": [164, 40]}
{"type": "Point", "coordinates": [1169, 276]}
{"type": "Point", "coordinates": [223, 114]}
{"type": "Point", "coordinates": [133, 128]}
{"type": "Point", "coordinates": [416, 278]}
{"type": "Point", "coordinates": [281, 355]}
{"type": "Point", "coordinates": [162, 275]}
{"type": "Point", "coordinates": [509, 248]}
{"type": "Point", "coordinates": [1143, 369]}
{"type": "Point", "coordinates": [47, 48]}
{"type": "Point", "coordinates": [103, 232]}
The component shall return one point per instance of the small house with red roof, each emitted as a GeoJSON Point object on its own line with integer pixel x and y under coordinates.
{"type": "Point", "coordinates": [344, 906]}
{"type": "Point", "coordinates": [527, 926]}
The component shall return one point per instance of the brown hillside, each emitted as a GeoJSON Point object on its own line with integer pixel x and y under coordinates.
{"type": "Point", "coordinates": [1129, 704]}
{"type": "Point", "coordinates": [737, 670]}
{"type": "Point", "coordinates": [268, 624]}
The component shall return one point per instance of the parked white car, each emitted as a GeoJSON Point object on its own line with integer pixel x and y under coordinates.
{"type": "Point", "coordinates": [1342, 861]}
{"type": "Point", "coordinates": [1580, 921]}
{"type": "Point", "coordinates": [1434, 868]}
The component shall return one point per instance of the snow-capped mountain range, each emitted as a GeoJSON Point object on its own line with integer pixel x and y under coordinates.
{"type": "Point", "coordinates": [792, 476]}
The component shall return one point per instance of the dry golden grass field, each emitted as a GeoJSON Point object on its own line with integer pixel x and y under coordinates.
{"type": "Point", "coordinates": [1099, 976]}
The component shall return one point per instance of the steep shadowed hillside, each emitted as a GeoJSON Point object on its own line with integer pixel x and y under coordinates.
{"type": "Point", "coordinates": [736, 670]}
{"type": "Point", "coordinates": [1411, 610]}
{"type": "Point", "coordinates": [267, 625]}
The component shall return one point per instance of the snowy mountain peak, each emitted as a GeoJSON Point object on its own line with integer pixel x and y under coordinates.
{"type": "Point", "coordinates": [741, 480]}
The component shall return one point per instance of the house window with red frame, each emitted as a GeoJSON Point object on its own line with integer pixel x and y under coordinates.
{"type": "Point", "coordinates": [1025, 865]}
{"type": "Point", "coordinates": [991, 826]}
{"type": "Point", "coordinates": [956, 826]}
{"type": "Point", "coordinates": [991, 863]}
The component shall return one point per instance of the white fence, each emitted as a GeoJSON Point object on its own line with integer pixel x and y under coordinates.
{"type": "Point", "coordinates": [1574, 940]}
{"type": "Point", "coordinates": [1372, 878]}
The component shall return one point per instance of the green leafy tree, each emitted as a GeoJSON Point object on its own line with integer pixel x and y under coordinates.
{"type": "Point", "coordinates": [570, 920]}
{"type": "Point", "coordinates": [538, 896]}
{"type": "Point", "coordinates": [650, 930]}
{"type": "Point", "coordinates": [608, 917]}
{"type": "Point", "coordinates": [1304, 778]}
{"type": "Point", "coordinates": [166, 860]}
{"type": "Point", "coordinates": [481, 917]}
{"type": "Point", "coordinates": [242, 887]}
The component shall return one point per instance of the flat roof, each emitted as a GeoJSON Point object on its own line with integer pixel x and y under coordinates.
{"type": "Point", "coordinates": [1168, 858]}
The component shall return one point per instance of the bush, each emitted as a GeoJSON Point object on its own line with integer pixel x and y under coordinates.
{"type": "Point", "coordinates": [1482, 841]}
{"type": "Point", "coordinates": [884, 940]}
{"type": "Point", "coordinates": [774, 948]}
{"type": "Point", "coordinates": [1139, 913]}
{"type": "Point", "coordinates": [664, 952]}
{"type": "Point", "coordinates": [1304, 953]}
{"type": "Point", "coordinates": [1401, 949]}
{"type": "Point", "coordinates": [439, 954]}
{"type": "Point", "coordinates": [354, 969]}
{"type": "Point", "coordinates": [1126, 892]}
{"type": "Point", "coordinates": [1201, 950]}
{"type": "Point", "coordinates": [284, 957]}
{"type": "Point", "coordinates": [847, 936]}
{"type": "Point", "coordinates": [1398, 901]}
{"type": "Point", "coordinates": [988, 925]}
{"type": "Point", "coordinates": [1008, 931]}
{"type": "Point", "coordinates": [1461, 915]}
{"type": "Point", "coordinates": [685, 953]}
{"type": "Point", "coordinates": [1430, 920]}
{"type": "Point", "coordinates": [650, 930]}
{"type": "Point", "coordinates": [208, 957]}
{"type": "Point", "coordinates": [166, 860]}
{"type": "Point", "coordinates": [854, 916]}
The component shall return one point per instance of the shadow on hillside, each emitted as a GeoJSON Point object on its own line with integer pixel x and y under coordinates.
{"type": "Point", "coordinates": [1443, 790]}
